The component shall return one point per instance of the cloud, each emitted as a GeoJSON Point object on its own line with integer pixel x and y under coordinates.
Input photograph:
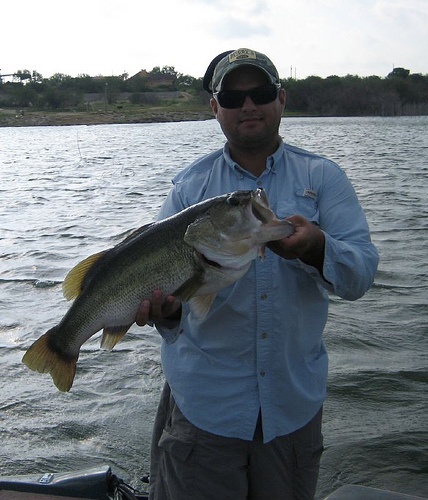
{"type": "Point", "coordinates": [319, 37]}
{"type": "Point", "coordinates": [239, 29]}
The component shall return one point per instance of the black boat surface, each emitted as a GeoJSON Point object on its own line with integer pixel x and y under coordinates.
{"type": "Point", "coordinates": [96, 484]}
{"type": "Point", "coordinates": [101, 484]}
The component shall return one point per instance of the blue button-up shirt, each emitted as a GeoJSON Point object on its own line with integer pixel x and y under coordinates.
{"type": "Point", "coordinates": [260, 346]}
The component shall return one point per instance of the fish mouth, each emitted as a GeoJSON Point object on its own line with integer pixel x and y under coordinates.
{"type": "Point", "coordinates": [208, 261]}
{"type": "Point", "coordinates": [216, 265]}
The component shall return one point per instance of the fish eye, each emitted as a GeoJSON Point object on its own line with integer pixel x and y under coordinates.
{"type": "Point", "coordinates": [233, 201]}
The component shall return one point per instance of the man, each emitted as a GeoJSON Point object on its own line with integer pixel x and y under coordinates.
{"type": "Point", "coordinates": [240, 415]}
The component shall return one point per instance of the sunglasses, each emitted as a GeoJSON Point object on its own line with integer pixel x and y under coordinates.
{"type": "Point", "coordinates": [232, 99]}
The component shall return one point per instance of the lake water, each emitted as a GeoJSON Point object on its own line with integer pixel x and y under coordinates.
{"type": "Point", "coordinates": [67, 192]}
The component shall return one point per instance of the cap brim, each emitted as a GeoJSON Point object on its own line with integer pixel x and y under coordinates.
{"type": "Point", "coordinates": [207, 80]}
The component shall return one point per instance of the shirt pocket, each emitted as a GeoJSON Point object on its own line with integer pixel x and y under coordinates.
{"type": "Point", "coordinates": [303, 204]}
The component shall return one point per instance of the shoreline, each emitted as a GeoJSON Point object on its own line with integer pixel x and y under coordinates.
{"type": "Point", "coordinates": [25, 118]}
{"type": "Point", "coordinates": [41, 118]}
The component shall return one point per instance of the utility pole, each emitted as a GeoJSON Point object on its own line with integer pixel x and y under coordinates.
{"type": "Point", "coordinates": [295, 72]}
{"type": "Point", "coordinates": [105, 98]}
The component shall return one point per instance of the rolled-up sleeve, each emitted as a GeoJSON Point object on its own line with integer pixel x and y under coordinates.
{"type": "Point", "coordinates": [351, 259]}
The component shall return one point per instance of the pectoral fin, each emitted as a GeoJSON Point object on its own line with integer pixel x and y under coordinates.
{"type": "Point", "coordinates": [188, 289]}
{"type": "Point", "coordinates": [201, 305]}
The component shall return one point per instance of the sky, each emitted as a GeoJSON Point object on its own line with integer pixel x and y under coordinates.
{"type": "Point", "coordinates": [302, 37]}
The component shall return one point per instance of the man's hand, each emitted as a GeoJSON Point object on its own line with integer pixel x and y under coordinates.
{"type": "Point", "coordinates": [158, 309]}
{"type": "Point", "coordinates": [306, 243]}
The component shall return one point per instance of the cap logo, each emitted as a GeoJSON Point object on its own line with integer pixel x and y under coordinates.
{"type": "Point", "coordinates": [242, 54]}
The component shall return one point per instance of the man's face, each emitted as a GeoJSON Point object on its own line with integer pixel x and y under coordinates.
{"type": "Point", "coordinates": [250, 126]}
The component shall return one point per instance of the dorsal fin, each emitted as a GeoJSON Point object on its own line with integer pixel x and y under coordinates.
{"type": "Point", "coordinates": [73, 283]}
{"type": "Point", "coordinates": [136, 233]}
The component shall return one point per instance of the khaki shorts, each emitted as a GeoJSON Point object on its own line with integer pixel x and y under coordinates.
{"type": "Point", "coordinates": [189, 463]}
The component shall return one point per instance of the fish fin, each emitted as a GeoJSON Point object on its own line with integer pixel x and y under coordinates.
{"type": "Point", "coordinates": [201, 305]}
{"type": "Point", "coordinates": [112, 335]}
{"type": "Point", "coordinates": [136, 233]}
{"type": "Point", "coordinates": [73, 283]}
{"type": "Point", "coordinates": [41, 357]}
{"type": "Point", "coordinates": [189, 288]}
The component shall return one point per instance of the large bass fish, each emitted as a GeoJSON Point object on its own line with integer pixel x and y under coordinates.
{"type": "Point", "coordinates": [191, 255]}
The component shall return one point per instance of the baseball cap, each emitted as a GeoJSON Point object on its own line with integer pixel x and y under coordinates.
{"type": "Point", "coordinates": [226, 62]}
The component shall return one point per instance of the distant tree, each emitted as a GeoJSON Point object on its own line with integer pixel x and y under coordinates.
{"type": "Point", "coordinates": [23, 75]}
{"type": "Point", "coordinates": [113, 86]}
{"type": "Point", "coordinates": [36, 77]}
{"type": "Point", "coordinates": [400, 92]}
{"type": "Point", "coordinates": [399, 73]}
{"type": "Point", "coordinates": [61, 99]}
{"type": "Point", "coordinates": [136, 85]}
{"type": "Point", "coordinates": [166, 70]}
{"type": "Point", "coordinates": [59, 79]}
{"type": "Point", "coordinates": [25, 96]}
{"type": "Point", "coordinates": [88, 84]}
{"type": "Point", "coordinates": [305, 95]}
{"type": "Point", "coordinates": [187, 82]}
{"type": "Point", "coordinates": [352, 95]}
{"type": "Point", "coordinates": [53, 98]}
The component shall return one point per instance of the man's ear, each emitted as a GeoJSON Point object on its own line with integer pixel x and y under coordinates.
{"type": "Point", "coordinates": [214, 106]}
{"type": "Point", "coordinates": [283, 97]}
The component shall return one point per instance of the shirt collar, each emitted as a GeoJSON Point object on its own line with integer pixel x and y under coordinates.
{"type": "Point", "coordinates": [271, 160]}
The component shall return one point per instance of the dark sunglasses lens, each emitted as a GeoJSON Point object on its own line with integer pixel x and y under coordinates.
{"type": "Point", "coordinates": [264, 95]}
{"type": "Point", "coordinates": [232, 99]}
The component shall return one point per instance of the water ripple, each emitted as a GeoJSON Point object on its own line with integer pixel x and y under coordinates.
{"type": "Point", "coordinates": [68, 192]}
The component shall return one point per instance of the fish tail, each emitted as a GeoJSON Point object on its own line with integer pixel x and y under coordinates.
{"type": "Point", "coordinates": [42, 357]}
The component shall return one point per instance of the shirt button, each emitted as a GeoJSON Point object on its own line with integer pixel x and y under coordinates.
{"type": "Point", "coordinates": [262, 373]}
{"type": "Point", "coordinates": [264, 335]}
{"type": "Point", "coordinates": [259, 183]}
{"type": "Point", "coordinates": [263, 296]}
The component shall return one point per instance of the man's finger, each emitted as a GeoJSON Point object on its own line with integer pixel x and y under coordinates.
{"type": "Point", "coordinates": [143, 313]}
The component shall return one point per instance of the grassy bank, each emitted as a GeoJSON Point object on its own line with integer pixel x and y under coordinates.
{"type": "Point", "coordinates": [13, 118]}
{"type": "Point", "coordinates": [40, 118]}
{"type": "Point", "coordinates": [183, 108]}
